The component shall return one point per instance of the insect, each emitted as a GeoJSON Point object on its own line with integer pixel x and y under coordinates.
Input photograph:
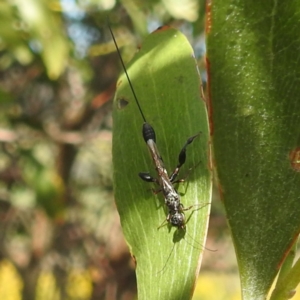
{"type": "Point", "coordinates": [165, 182]}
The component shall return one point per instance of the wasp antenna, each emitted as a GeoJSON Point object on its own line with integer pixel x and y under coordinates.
{"type": "Point", "coordinates": [169, 256]}
{"type": "Point", "coordinates": [199, 244]}
{"type": "Point", "coordinates": [124, 68]}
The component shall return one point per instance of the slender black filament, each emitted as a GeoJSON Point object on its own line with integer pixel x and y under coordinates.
{"type": "Point", "coordinates": [123, 65]}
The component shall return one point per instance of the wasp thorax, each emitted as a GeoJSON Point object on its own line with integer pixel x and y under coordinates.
{"type": "Point", "coordinates": [172, 200]}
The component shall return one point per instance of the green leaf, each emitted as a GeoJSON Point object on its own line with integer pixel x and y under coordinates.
{"type": "Point", "coordinates": [254, 66]}
{"type": "Point", "coordinates": [167, 84]}
{"type": "Point", "coordinates": [45, 26]}
{"type": "Point", "coordinates": [12, 37]}
{"type": "Point", "coordinates": [45, 183]}
{"type": "Point", "coordinates": [288, 277]}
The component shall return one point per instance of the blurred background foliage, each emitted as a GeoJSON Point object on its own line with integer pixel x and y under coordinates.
{"type": "Point", "coordinates": [60, 235]}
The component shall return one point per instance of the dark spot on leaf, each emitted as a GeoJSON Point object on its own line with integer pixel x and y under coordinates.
{"type": "Point", "coordinates": [291, 294]}
{"type": "Point", "coordinates": [295, 159]}
{"type": "Point", "coordinates": [119, 82]}
{"type": "Point", "coordinates": [180, 79]}
{"type": "Point", "coordinates": [134, 260]}
{"type": "Point", "coordinates": [122, 103]}
{"type": "Point", "coordinates": [162, 28]}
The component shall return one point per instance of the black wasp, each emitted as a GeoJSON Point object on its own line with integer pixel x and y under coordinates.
{"type": "Point", "coordinates": [165, 182]}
